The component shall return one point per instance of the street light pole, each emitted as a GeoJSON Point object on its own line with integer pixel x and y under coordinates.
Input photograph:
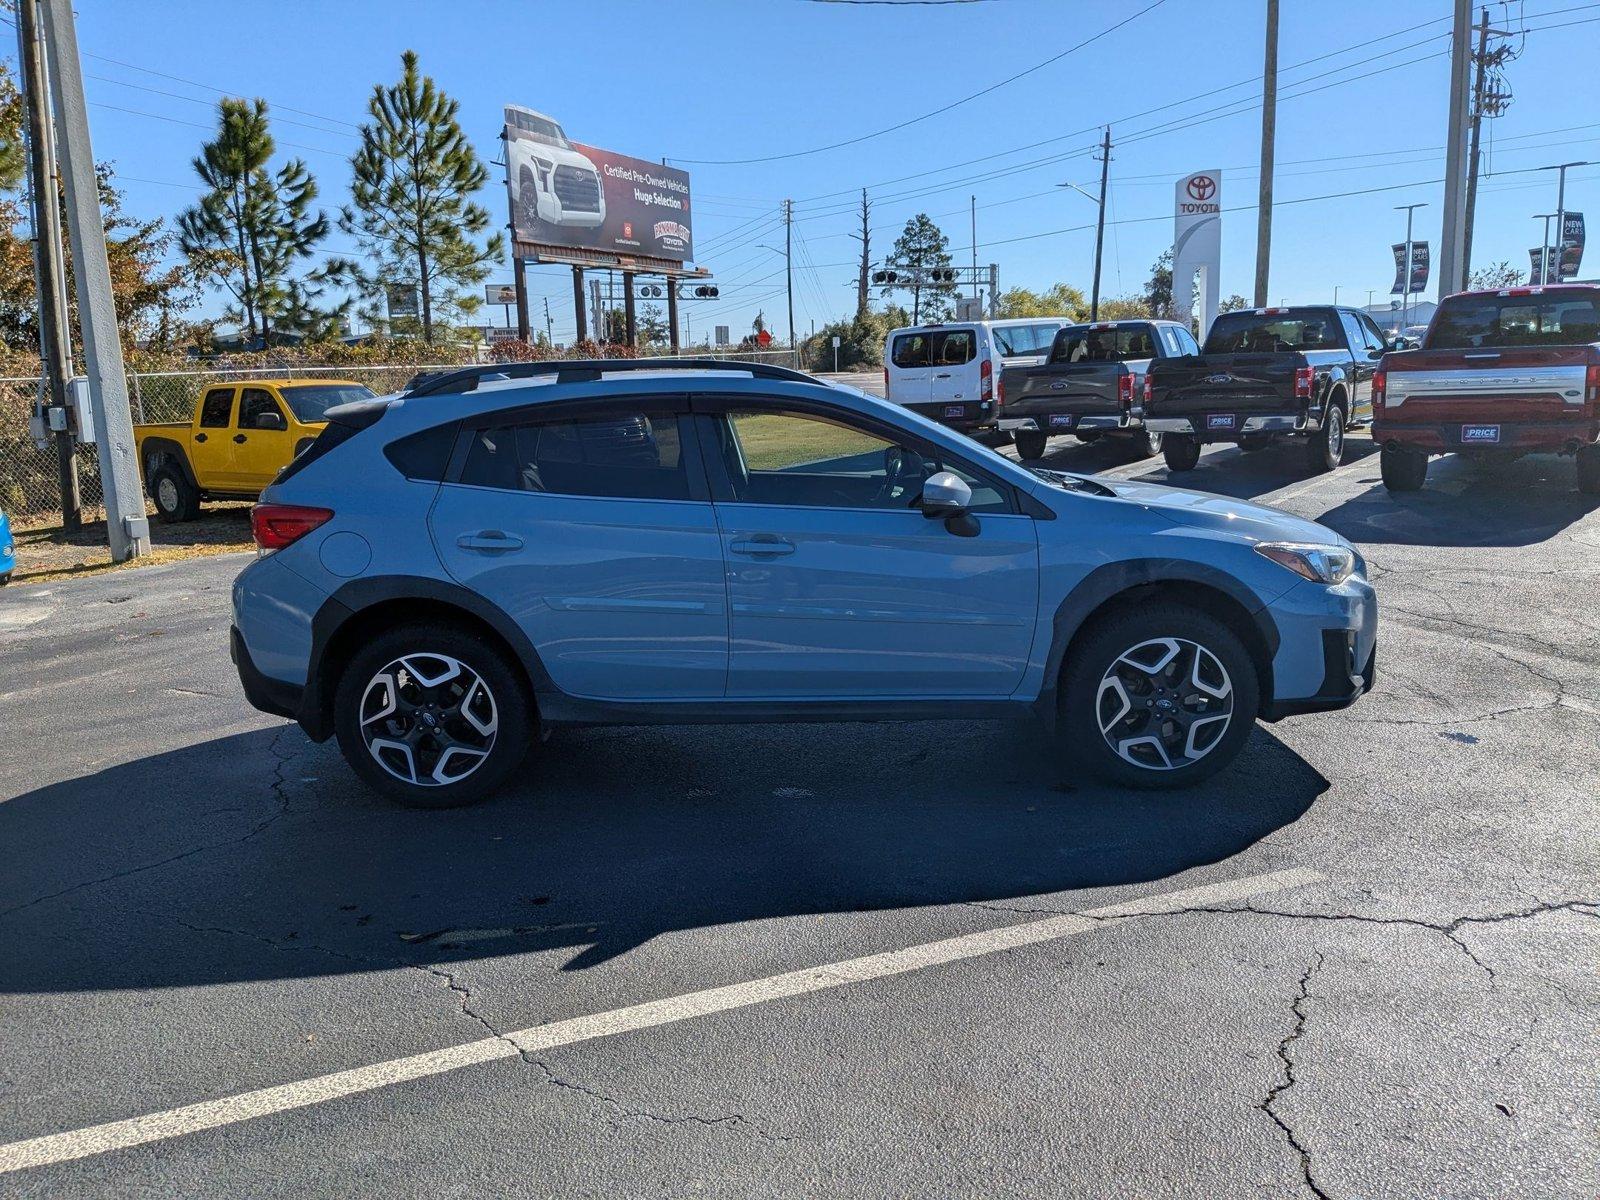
{"type": "Point", "coordinates": [1544, 248]}
{"type": "Point", "coordinates": [1405, 294]}
{"type": "Point", "coordinates": [1561, 210]}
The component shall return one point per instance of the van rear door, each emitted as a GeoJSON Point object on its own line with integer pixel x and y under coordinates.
{"type": "Point", "coordinates": [956, 365]}
{"type": "Point", "coordinates": [909, 373]}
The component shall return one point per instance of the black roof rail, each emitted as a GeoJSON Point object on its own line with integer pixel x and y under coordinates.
{"type": "Point", "coordinates": [587, 370]}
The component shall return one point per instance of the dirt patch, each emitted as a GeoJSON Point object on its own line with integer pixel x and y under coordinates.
{"type": "Point", "coordinates": [47, 552]}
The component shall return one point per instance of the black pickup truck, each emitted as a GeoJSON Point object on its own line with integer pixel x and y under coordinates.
{"type": "Point", "coordinates": [1267, 374]}
{"type": "Point", "coordinates": [1092, 385]}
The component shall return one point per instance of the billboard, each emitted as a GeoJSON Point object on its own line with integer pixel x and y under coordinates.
{"type": "Point", "coordinates": [564, 193]}
{"type": "Point", "coordinates": [1419, 269]}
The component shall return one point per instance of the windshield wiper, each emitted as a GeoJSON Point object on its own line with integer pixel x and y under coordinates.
{"type": "Point", "coordinates": [1072, 483]}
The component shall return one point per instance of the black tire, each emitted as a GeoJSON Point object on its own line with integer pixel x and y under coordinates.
{"type": "Point", "coordinates": [1030, 444]}
{"type": "Point", "coordinates": [1180, 451]}
{"type": "Point", "coordinates": [5, 579]}
{"type": "Point", "coordinates": [1325, 447]}
{"type": "Point", "coordinates": [1084, 703]}
{"type": "Point", "coordinates": [452, 702]}
{"type": "Point", "coordinates": [1589, 470]}
{"type": "Point", "coordinates": [1403, 470]}
{"type": "Point", "coordinates": [175, 498]}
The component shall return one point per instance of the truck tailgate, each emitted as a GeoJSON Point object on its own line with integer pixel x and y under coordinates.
{"type": "Point", "coordinates": [1526, 384]}
{"type": "Point", "coordinates": [1087, 388]}
{"type": "Point", "coordinates": [1235, 382]}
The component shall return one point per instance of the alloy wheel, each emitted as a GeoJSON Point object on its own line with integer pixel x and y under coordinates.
{"type": "Point", "coordinates": [1164, 704]}
{"type": "Point", "coordinates": [429, 719]}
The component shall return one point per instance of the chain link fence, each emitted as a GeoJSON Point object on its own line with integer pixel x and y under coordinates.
{"type": "Point", "coordinates": [30, 489]}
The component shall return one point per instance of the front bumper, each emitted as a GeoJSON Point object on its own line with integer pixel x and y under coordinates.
{"type": "Point", "coordinates": [1544, 437]}
{"type": "Point", "coordinates": [1327, 656]}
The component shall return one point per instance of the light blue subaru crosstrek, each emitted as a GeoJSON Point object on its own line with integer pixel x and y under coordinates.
{"type": "Point", "coordinates": [500, 550]}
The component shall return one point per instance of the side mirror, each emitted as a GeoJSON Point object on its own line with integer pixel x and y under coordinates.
{"type": "Point", "coordinates": [271, 420]}
{"type": "Point", "coordinates": [946, 495]}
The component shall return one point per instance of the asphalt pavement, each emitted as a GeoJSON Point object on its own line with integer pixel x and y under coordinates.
{"type": "Point", "coordinates": [865, 960]}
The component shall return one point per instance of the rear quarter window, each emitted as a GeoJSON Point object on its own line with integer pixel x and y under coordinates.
{"type": "Point", "coordinates": [909, 350]}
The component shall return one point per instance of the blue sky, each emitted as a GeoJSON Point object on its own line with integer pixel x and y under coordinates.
{"type": "Point", "coordinates": [697, 80]}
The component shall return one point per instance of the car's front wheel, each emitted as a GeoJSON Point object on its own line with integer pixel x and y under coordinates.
{"type": "Point", "coordinates": [433, 717]}
{"type": "Point", "coordinates": [175, 498]}
{"type": "Point", "coordinates": [1161, 696]}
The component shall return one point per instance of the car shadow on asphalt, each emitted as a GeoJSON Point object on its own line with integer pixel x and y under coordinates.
{"type": "Point", "coordinates": [615, 837]}
{"type": "Point", "coordinates": [1464, 503]}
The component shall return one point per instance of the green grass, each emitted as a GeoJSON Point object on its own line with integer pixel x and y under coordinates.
{"type": "Point", "coordinates": [773, 443]}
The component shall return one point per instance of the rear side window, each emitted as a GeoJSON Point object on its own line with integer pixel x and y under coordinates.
{"type": "Point", "coordinates": [216, 408]}
{"type": "Point", "coordinates": [1551, 319]}
{"type": "Point", "coordinates": [422, 455]}
{"type": "Point", "coordinates": [1085, 343]}
{"type": "Point", "coordinates": [952, 347]}
{"type": "Point", "coordinates": [909, 350]}
{"type": "Point", "coordinates": [628, 455]}
{"type": "Point", "coordinates": [1274, 333]}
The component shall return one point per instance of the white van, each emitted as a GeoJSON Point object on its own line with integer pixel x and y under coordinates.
{"type": "Point", "coordinates": [951, 372]}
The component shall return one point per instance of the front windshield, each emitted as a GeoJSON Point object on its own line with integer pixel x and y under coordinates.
{"type": "Point", "coordinates": [311, 402]}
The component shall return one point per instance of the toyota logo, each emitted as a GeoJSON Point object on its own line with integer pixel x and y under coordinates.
{"type": "Point", "coordinates": [1201, 187]}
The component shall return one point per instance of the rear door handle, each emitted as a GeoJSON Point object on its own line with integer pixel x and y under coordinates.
{"type": "Point", "coordinates": [762, 546]}
{"type": "Point", "coordinates": [945, 375]}
{"type": "Point", "coordinates": [490, 541]}
{"type": "Point", "coordinates": [199, 437]}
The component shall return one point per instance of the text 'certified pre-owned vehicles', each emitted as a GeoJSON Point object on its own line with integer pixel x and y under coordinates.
{"type": "Point", "coordinates": [951, 373]}
{"type": "Point", "coordinates": [1500, 374]}
{"type": "Point", "coordinates": [240, 436]}
{"type": "Point", "coordinates": [1092, 385]}
{"type": "Point", "coordinates": [445, 572]}
{"type": "Point", "coordinates": [1265, 374]}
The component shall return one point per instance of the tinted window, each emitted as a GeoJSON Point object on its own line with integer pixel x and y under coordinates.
{"type": "Point", "coordinates": [1274, 333]}
{"type": "Point", "coordinates": [630, 455]}
{"type": "Point", "coordinates": [253, 404]}
{"type": "Point", "coordinates": [1551, 319]}
{"type": "Point", "coordinates": [310, 402]}
{"type": "Point", "coordinates": [1354, 333]}
{"type": "Point", "coordinates": [1186, 340]}
{"type": "Point", "coordinates": [422, 455]}
{"type": "Point", "coordinates": [1372, 334]}
{"type": "Point", "coordinates": [952, 347]}
{"type": "Point", "coordinates": [910, 350]}
{"type": "Point", "coordinates": [1018, 340]}
{"type": "Point", "coordinates": [1086, 343]}
{"type": "Point", "coordinates": [810, 461]}
{"type": "Point", "coordinates": [217, 408]}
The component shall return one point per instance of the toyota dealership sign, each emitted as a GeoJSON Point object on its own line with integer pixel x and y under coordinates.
{"type": "Point", "coordinates": [1197, 244]}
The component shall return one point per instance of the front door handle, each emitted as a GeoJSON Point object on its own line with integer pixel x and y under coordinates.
{"type": "Point", "coordinates": [199, 437]}
{"type": "Point", "coordinates": [762, 546]}
{"type": "Point", "coordinates": [490, 541]}
{"type": "Point", "coordinates": [240, 438]}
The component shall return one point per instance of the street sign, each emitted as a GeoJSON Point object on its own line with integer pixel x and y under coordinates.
{"type": "Point", "coordinates": [722, 335]}
{"type": "Point", "coordinates": [836, 341]}
{"type": "Point", "coordinates": [500, 293]}
{"type": "Point", "coordinates": [763, 339]}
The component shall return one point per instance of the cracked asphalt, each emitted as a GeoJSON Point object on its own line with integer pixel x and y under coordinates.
{"type": "Point", "coordinates": [197, 902]}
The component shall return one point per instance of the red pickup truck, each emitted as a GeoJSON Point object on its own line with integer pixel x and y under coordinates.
{"type": "Point", "coordinates": [1499, 374]}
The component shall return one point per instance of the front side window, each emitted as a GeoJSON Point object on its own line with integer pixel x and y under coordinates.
{"type": "Point", "coordinates": [216, 409]}
{"type": "Point", "coordinates": [629, 455]}
{"type": "Point", "coordinates": [256, 403]}
{"type": "Point", "coordinates": [806, 460]}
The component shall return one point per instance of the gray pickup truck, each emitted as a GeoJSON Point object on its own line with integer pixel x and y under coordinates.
{"type": "Point", "coordinates": [1267, 374]}
{"type": "Point", "coordinates": [1092, 385]}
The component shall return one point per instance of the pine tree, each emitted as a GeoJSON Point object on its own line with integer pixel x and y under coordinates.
{"type": "Point", "coordinates": [253, 225]}
{"type": "Point", "coordinates": [411, 211]}
{"type": "Point", "coordinates": [921, 249]}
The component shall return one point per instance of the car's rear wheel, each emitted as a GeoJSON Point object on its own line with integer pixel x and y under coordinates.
{"type": "Point", "coordinates": [1161, 696]}
{"type": "Point", "coordinates": [1404, 470]}
{"type": "Point", "coordinates": [1325, 447]}
{"type": "Point", "coordinates": [175, 498]}
{"type": "Point", "coordinates": [1589, 470]}
{"type": "Point", "coordinates": [1180, 452]}
{"type": "Point", "coordinates": [433, 717]}
{"type": "Point", "coordinates": [1030, 444]}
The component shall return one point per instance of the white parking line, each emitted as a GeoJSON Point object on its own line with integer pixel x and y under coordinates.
{"type": "Point", "coordinates": [192, 1118]}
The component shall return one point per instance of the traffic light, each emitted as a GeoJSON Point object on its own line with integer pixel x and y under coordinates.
{"type": "Point", "coordinates": [886, 277]}
{"type": "Point", "coordinates": [705, 292]}
{"type": "Point", "coordinates": [943, 275]}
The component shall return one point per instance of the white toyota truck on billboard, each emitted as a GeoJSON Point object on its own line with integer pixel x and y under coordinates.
{"type": "Point", "coordinates": [552, 182]}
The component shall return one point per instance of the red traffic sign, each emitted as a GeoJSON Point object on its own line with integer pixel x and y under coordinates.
{"type": "Point", "coordinates": [763, 338]}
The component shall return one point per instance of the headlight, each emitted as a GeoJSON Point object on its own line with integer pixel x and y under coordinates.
{"type": "Point", "coordinates": [1320, 564]}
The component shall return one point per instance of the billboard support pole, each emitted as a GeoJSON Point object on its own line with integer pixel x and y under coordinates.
{"type": "Point", "coordinates": [577, 304]}
{"type": "Point", "coordinates": [630, 332]}
{"type": "Point", "coordinates": [672, 312]}
{"type": "Point", "coordinates": [518, 267]}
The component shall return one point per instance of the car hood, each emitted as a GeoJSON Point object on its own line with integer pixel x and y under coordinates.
{"type": "Point", "coordinates": [1202, 510]}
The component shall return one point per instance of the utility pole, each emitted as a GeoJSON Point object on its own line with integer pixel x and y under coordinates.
{"type": "Point", "coordinates": [994, 292]}
{"type": "Point", "coordinates": [1100, 221]}
{"type": "Point", "coordinates": [1269, 133]}
{"type": "Point", "coordinates": [788, 265]}
{"type": "Point", "coordinates": [1452, 244]}
{"type": "Point", "coordinates": [974, 247]}
{"type": "Point", "coordinates": [864, 237]}
{"type": "Point", "coordinates": [49, 268]}
{"type": "Point", "coordinates": [549, 325]}
{"type": "Point", "coordinates": [127, 528]}
{"type": "Point", "coordinates": [582, 334]}
{"type": "Point", "coordinates": [1480, 63]}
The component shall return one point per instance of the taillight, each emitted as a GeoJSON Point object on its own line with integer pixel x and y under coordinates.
{"type": "Point", "coordinates": [1594, 382]}
{"type": "Point", "coordinates": [278, 525]}
{"type": "Point", "coordinates": [986, 380]}
{"type": "Point", "coordinates": [1302, 382]}
{"type": "Point", "coordinates": [1149, 388]}
{"type": "Point", "coordinates": [1380, 384]}
{"type": "Point", "coordinates": [1125, 391]}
